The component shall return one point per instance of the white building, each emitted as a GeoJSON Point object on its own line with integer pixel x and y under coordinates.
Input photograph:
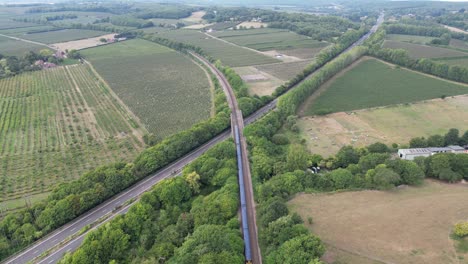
{"type": "Point", "coordinates": [410, 154]}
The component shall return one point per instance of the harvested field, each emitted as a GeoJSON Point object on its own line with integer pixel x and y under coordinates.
{"type": "Point", "coordinates": [454, 29]}
{"type": "Point", "coordinates": [407, 225]}
{"type": "Point", "coordinates": [198, 26]}
{"type": "Point", "coordinates": [55, 125]}
{"type": "Point", "coordinates": [252, 25]}
{"type": "Point", "coordinates": [83, 43]}
{"type": "Point", "coordinates": [397, 124]}
{"type": "Point", "coordinates": [196, 17]}
{"type": "Point", "coordinates": [372, 83]}
{"type": "Point", "coordinates": [229, 54]}
{"type": "Point", "coordinates": [284, 71]}
{"type": "Point", "coordinates": [460, 44]}
{"type": "Point", "coordinates": [422, 51]}
{"type": "Point", "coordinates": [265, 84]}
{"type": "Point", "coordinates": [165, 89]}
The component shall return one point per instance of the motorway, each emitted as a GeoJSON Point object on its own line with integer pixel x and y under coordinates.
{"type": "Point", "coordinates": [57, 243]}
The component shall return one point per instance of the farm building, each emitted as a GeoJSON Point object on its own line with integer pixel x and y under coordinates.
{"type": "Point", "coordinates": [410, 154]}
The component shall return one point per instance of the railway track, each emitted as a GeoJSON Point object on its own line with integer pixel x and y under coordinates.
{"type": "Point", "coordinates": [247, 203]}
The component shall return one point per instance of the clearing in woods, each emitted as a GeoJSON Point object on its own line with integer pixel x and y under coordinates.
{"type": "Point", "coordinates": [55, 125]}
{"type": "Point", "coordinates": [405, 226]}
{"type": "Point", "coordinates": [325, 135]}
{"type": "Point", "coordinates": [166, 90]}
{"type": "Point", "coordinates": [372, 83]}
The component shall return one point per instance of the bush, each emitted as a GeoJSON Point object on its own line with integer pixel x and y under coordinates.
{"type": "Point", "coordinates": [280, 139]}
{"type": "Point", "coordinates": [461, 229]}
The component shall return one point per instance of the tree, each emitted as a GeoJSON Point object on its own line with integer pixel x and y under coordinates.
{"type": "Point", "coordinates": [384, 178]}
{"type": "Point", "coordinates": [418, 142]}
{"type": "Point", "coordinates": [193, 180]}
{"type": "Point", "coordinates": [282, 230]}
{"type": "Point", "coordinates": [464, 139]}
{"type": "Point", "coordinates": [299, 250]}
{"type": "Point", "coordinates": [341, 178]}
{"type": "Point", "coordinates": [378, 147]}
{"type": "Point", "coordinates": [347, 155]}
{"type": "Point", "coordinates": [297, 158]}
{"type": "Point", "coordinates": [371, 160]}
{"type": "Point", "coordinates": [452, 138]}
{"type": "Point", "coordinates": [435, 141]}
{"type": "Point", "coordinates": [272, 210]}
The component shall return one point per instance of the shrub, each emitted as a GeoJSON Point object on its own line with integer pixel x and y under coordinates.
{"type": "Point", "coordinates": [461, 229]}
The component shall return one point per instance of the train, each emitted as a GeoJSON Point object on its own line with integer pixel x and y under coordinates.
{"type": "Point", "coordinates": [243, 203]}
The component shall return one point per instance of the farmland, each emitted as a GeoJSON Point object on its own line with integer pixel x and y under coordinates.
{"type": "Point", "coordinates": [13, 47]}
{"type": "Point", "coordinates": [371, 83]}
{"type": "Point", "coordinates": [325, 135]}
{"type": "Point", "coordinates": [55, 125]}
{"type": "Point", "coordinates": [229, 54]}
{"type": "Point", "coordinates": [284, 71]}
{"type": "Point", "coordinates": [423, 51]}
{"type": "Point", "coordinates": [463, 61]}
{"type": "Point", "coordinates": [407, 225]}
{"type": "Point", "coordinates": [268, 39]}
{"type": "Point", "coordinates": [167, 97]}
{"type": "Point", "coordinates": [259, 83]}
{"type": "Point", "coordinates": [62, 35]}
{"type": "Point", "coordinates": [410, 38]}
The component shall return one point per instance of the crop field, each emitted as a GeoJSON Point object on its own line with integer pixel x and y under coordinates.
{"type": "Point", "coordinates": [13, 47]}
{"type": "Point", "coordinates": [459, 44]}
{"type": "Point", "coordinates": [268, 39]}
{"type": "Point", "coordinates": [229, 54]}
{"type": "Point", "coordinates": [55, 125]}
{"type": "Point", "coordinates": [410, 38]}
{"type": "Point", "coordinates": [259, 83]}
{"type": "Point", "coordinates": [422, 51]}
{"type": "Point", "coordinates": [166, 90]}
{"type": "Point", "coordinates": [325, 135]}
{"type": "Point", "coordinates": [284, 71]}
{"type": "Point", "coordinates": [222, 25]}
{"type": "Point", "coordinates": [63, 35]}
{"type": "Point", "coordinates": [372, 83]}
{"type": "Point", "coordinates": [25, 30]}
{"type": "Point", "coordinates": [305, 53]}
{"type": "Point", "coordinates": [463, 61]}
{"type": "Point", "coordinates": [407, 225]}
{"type": "Point", "coordinates": [6, 23]}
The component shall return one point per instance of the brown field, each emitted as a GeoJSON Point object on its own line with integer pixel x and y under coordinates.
{"type": "Point", "coordinates": [325, 135]}
{"type": "Point", "coordinates": [406, 225]}
{"type": "Point", "coordinates": [252, 25]}
{"type": "Point", "coordinates": [82, 43]}
{"type": "Point", "coordinates": [454, 29]}
{"type": "Point", "coordinates": [196, 17]}
{"type": "Point", "coordinates": [264, 83]}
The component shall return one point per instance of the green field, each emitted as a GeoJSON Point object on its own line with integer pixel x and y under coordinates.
{"type": "Point", "coordinates": [422, 51]}
{"type": "Point", "coordinates": [268, 39]}
{"type": "Point", "coordinates": [55, 125]}
{"type": "Point", "coordinates": [230, 55]}
{"type": "Point", "coordinates": [166, 90]}
{"type": "Point", "coordinates": [6, 23]}
{"type": "Point", "coordinates": [62, 35]}
{"type": "Point", "coordinates": [463, 62]}
{"type": "Point", "coordinates": [11, 47]}
{"type": "Point", "coordinates": [410, 38]}
{"type": "Point", "coordinates": [284, 71]}
{"type": "Point", "coordinates": [373, 83]}
{"type": "Point", "coordinates": [25, 30]}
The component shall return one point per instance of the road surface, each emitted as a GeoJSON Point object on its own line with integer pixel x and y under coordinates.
{"type": "Point", "coordinates": [55, 240]}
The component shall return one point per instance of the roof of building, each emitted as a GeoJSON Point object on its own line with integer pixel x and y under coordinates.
{"type": "Point", "coordinates": [414, 151]}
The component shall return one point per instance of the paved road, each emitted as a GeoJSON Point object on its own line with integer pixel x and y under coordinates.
{"type": "Point", "coordinates": [72, 228]}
